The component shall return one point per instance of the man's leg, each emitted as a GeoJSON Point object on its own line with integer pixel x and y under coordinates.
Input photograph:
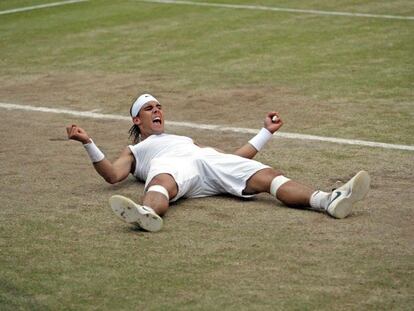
{"type": "Point", "coordinates": [155, 204]}
{"type": "Point", "coordinates": [156, 197]}
{"type": "Point", "coordinates": [291, 193]}
{"type": "Point", "coordinates": [338, 203]}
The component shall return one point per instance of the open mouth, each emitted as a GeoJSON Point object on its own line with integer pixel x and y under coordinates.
{"type": "Point", "coordinates": [156, 120]}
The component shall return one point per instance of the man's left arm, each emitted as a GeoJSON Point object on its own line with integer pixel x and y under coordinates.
{"type": "Point", "coordinates": [254, 145]}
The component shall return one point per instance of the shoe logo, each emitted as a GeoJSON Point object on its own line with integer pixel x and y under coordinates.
{"type": "Point", "coordinates": [337, 195]}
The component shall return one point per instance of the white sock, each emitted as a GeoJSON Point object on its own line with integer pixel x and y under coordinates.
{"type": "Point", "coordinates": [320, 200]}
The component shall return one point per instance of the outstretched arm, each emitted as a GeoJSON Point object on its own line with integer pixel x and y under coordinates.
{"type": "Point", "coordinates": [250, 149]}
{"type": "Point", "coordinates": [112, 172]}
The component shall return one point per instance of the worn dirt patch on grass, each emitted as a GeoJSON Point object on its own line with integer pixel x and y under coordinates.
{"type": "Point", "coordinates": [63, 245]}
{"type": "Point", "coordinates": [243, 106]}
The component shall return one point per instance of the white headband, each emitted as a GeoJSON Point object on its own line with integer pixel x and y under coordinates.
{"type": "Point", "coordinates": [141, 101]}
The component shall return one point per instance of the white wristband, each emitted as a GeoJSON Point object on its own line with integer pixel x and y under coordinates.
{"type": "Point", "coordinates": [94, 152]}
{"type": "Point", "coordinates": [260, 139]}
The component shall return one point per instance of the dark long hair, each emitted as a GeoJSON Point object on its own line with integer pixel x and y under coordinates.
{"type": "Point", "coordinates": [134, 131]}
{"type": "Point", "coordinates": [135, 134]}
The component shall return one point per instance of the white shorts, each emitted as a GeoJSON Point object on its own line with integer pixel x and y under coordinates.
{"type": "Point", "coordinates": [207, 174]}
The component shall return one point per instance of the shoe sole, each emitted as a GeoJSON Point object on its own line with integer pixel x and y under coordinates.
{"type": "Point", "coordinates": [132, 213]}
{"type": "Point", "coordinates": [360, 185]}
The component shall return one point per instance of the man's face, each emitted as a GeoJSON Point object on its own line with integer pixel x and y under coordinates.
{"type": "Point", "coordinates": [150, 119]}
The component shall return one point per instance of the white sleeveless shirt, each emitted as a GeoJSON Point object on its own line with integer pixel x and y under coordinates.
{"type": "Point", "coordinates": [159, 146]}
{"type": "Point", "coordinates": [198, 172]}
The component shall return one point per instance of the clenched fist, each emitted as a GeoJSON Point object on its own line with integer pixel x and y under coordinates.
{"type": "Point", "coordinates": [270, 125]}
{"type": "Point", "coordinates": [77, 133]}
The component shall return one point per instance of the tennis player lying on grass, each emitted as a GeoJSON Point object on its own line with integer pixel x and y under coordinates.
{"type": "Point", "coordinates": [174, 167]}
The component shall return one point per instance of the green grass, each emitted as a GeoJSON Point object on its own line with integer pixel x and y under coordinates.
{"type": "Point", "coordinates": [15, 4]}
{"type": "Point", "coordinates": [345, 77]}
{"type": "Point", "coordinates": [359, 66]}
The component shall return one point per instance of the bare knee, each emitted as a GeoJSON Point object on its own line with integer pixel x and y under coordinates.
{"type": "Point", "coordinates": [166, 181]}
{"type": "Point", "coordinates": [261, 180]}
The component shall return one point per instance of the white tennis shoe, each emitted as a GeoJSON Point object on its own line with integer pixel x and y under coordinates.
{"type": "Point", "coordinates": [342, 199]}
{"type": "Point", "coordinates": [132, 213]}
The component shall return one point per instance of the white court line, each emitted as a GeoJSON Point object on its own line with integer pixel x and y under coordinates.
{"type": "Point", "coordinates": [40, 6]}
{"type": "Point", "coordinates": [269, 8]}
{"type": "Point", "coordinates": [218, 128]}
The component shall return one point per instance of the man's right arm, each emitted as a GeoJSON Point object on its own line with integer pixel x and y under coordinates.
{"type": "Point", "coordinates": [111, 172]}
